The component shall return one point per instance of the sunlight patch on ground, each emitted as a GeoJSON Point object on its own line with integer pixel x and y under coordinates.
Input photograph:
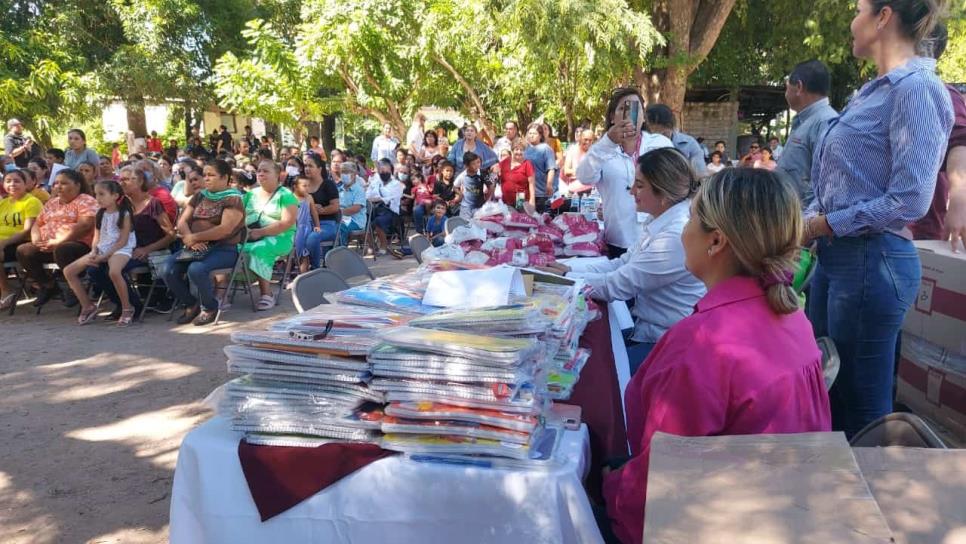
{"type": "Point", "coordinates": [132, 535]}
{"type": "Point", "coordinates": [15, 531]}
{"type": "Point", "coordinates": [155, 435]}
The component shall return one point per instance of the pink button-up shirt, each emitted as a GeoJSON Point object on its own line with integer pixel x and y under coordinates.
{"type": "Point", "coordinates": [732, 367]}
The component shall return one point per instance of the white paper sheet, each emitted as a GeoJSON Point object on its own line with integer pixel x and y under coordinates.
{"type": "Point", "coordinates": [54, 169]}
{"type": "Point", "coordinates": [474, 288]}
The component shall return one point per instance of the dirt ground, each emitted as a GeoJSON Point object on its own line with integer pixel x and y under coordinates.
{"type": "Point", "coordinates": [92, 418]}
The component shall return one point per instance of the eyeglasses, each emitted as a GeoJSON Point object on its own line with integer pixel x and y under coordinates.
{"type": "Point", "coordinates": [755, 147]}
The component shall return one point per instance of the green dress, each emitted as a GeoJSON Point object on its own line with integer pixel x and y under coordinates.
{"type": "Point", "coordinates": [264, 252]}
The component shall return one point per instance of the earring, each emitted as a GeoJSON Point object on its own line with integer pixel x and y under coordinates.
{"type": "Point", "coordinates": [709, 251]}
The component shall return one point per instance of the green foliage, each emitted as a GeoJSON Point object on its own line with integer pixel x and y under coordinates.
{"type": "Point", "coordinates": [952, 65]}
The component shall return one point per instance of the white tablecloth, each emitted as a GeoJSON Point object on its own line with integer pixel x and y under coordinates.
{"type": "Point", "coordinates": [393, 500]}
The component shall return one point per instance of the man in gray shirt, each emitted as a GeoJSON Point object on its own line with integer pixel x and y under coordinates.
{"type": "Point", "coordinates": [806, 92]}
{"type": "Point", "coordinates": [16, 146]}
{"type": "Point", "coordinates": [660, 120]}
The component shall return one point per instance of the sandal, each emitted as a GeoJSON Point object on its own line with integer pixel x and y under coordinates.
{"type": "Point", "coordinates": [87, 315]}
{"type": "Point", "coordinates": [206, 317]}
{"type": "Point", "coordinates": [267, 302]}
{"type": "Point", "coordinates": [127, 316]}
{"type": "Point", "coordinates": [189, 315]}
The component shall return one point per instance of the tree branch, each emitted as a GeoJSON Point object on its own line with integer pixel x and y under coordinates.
{"type": "Point", "coordinates": [709, 19]}
{"type": "Point", "coordinates": [473, 95]}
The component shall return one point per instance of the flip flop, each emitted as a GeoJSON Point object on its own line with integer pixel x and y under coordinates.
{"type": "Point", "coordinates": [267, 302]}
{"type": "Point", "coordinates": [87, 315]}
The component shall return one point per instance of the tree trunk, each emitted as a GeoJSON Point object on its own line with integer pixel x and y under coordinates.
{"type": "Point", "coordinates": [136, 120]}
{"type": "Point", "coordinates": [691, 28]}
{"type": "Point", "coordinates": [328, 133]}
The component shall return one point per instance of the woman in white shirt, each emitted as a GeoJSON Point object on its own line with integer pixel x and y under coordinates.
{"type": "Point", "coordinates": [609, 164]}
{"type": "Point", "coordinates": [652, 272]}
{"type": "Point", "coordinates": [385, 193]}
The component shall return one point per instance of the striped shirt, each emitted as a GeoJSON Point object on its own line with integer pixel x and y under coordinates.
{"type": "Point", "coordinates": [875, 167]}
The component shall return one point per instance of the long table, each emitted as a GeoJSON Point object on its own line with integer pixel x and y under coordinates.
{"type": "Point", "coordinates": [393, 500]}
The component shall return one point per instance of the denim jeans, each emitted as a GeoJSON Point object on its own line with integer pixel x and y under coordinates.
{"type": "Point", "coordinates": [419, 217]}
{"type": "Point", "coordinates": [859, 296]}
{"type": "Point", "coordinates": [637, 353]}
{"type": "Point", "coordinates": [100, 276]}
{"type": "Point", "coordinates": [344, 231]}
{"type": "Point", "coordinates": [199, 274]}
{"type": "Point", "coordinates": [313, 243]}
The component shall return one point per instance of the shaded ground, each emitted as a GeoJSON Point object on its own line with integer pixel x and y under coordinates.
{"type": "Point", "coordinates": [92, 417]}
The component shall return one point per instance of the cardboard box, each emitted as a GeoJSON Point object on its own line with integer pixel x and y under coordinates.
{"type": "Point", "coordinates": [932, 383]}
{"type": "Point", "coordinates": [939, 313]}
{"type": "Point", "coordinates": [759, 489]}
{"type": "Point", "coordinates": [921, 492]}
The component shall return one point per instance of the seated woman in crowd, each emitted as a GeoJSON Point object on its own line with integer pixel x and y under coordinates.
{"type": "Point", "coordinates": [62, 233]}
{"type": "Point", "coordinates": [114, 241]}
{"type": "Point", "coordinates": [766, 161]}
{"type": "Point", "coordinates": [427, 151]}
{"type": "Point", "coordinates": [652, 272]}
{"type": "Point", "coordinates": [746, 361]}
{"type": "Point", "coordinates": [192, 182]}
{"type": "Point", "coordinates": [352, 201]}
{"type": "Point", "coordinates": [270, 212]}
{"type": "Point", "coordinates": [41, 170]}
{"type": "Point", "coordinates": [152, 231]}
{"type": "Point", "coordinates": [18, 211]}
{"type": "Point", "coordinates": [385, 194]}
{"type": "Point", "coordinates": [78, 152]}
{"type": "Point", "coordinates": [105, 169]}
{"type": "Point", "coordinates": [211, 228]}
{"type": "Point", "coordinates": [517, 176]}
{"type": "Point", "coordinates": [33, 186]}
{"type": "Point", "coordinates": [165, 171]}
{"type": "Point", "coordinates": [89, 171]}
{"type": "Point", "coordinates": [153, 175]}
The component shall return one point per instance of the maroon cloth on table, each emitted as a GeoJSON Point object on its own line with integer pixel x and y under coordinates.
{"type": "Point", "coordinates": [932, 225]}
{"type": "Point", "coordinates": [599, 396]}
{"type": "Point", "coordinates": [279, 477]}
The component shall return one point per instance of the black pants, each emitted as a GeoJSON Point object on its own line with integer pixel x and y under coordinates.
{"type": "Point", "coordinates": [33, 259]}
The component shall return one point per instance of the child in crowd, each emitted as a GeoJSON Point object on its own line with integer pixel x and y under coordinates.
{"type": "Point", "coordinates": [306, 224]}
{"type": "Point", "coordinates": [444, 188]}
{"type": "Point", "coordinates": [114, 241]}
{"type": "Point", "coordinates": [422, 195]}
{"type": "Point", "coordinates": [34, 189]}
{"type": "Point", "coordinates": [473, 184]}
{"type": "Point", "coordinates": [242, 180]}
{"type": "Point", "coordinates": [435, 227]}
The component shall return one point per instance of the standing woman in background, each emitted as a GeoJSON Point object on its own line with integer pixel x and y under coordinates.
{"type": "Point", "coordinates": [874, 173]}
{"type": "Point", "coordinates": [77, 150]}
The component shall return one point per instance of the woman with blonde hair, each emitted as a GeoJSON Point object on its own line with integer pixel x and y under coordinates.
{"type": "Point", "coordinates": [745, 362]}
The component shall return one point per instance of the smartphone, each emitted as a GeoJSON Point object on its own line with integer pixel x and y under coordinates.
{"type": "Point", "coordinates": [635, 114]}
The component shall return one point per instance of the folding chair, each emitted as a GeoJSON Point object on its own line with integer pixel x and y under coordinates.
{"type": "Point", "coordinates": [363, 237]}
{"type": "Point", "coordinates": [283, 281]}
{"type": "Point", "coordinates": [453, 222]}
{"type": "Point", "coordinates": [152, 269]}
{"type": "Point", "coordinates": [309, 289]}
{"type": "Point", "coordinates": [897, 429]}
{"type": "Point", "coordinates": [241, 261]}
{"type": "Point", "coordinates": [347, 264]}
{"type": "Point", "coordinates": [14, 266]}
{"type": "Point", "coordinates": [419, 243]}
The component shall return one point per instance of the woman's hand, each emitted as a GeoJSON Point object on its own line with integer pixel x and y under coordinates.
{"type": "Point", "coordinates": [140, 254]}
{"type": "Point", "coordinates": [316, 229]}
{"type": "Point", "coordinates": [817, 227]}
{"type": "Point", "coordinates": [255, 234]}
{"type": "Point", "coordinates": [199, 246]}
{"type": "Point", "coordinates": [189, 240]}
{"type": "Point", "coordinates": [622, 132]}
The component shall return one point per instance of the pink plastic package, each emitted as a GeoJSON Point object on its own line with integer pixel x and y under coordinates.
{"type": "Point", "coordinates": [541, 241]}
{"type": "Point", "coordinates": [517, 219]}
{"type": "Point", "coordinates": [500, 256]}
{"type": "Point", "coordinates": [551, 231]}
{"type": "Point", "coordinates": [516, 232]}
{"type": "Point", "coordinates": [502, 243]}
{"type": "Point", "coordinates": [582, 249]}
{"type": "Point", "coordinates": [471, 245]}
{"type": "Point", "coordinates": [566, 221]}
{"type": "Point", "coordinates": [541, 259]}
{"type": "Point", "coordinates": [492, 223]}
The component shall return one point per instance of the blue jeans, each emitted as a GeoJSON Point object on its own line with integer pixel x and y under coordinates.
{"type": "Point", "coordinates": [419, 217]}
{"type": "Point", "coordinates": [313, 243]}
{"type": "Point", "coordinates": [637, 353]}
{"type": "Point", "coordinates": [199, 274]}
{"type": "Point", "coordinates": [100, 276]}
{"type": "Point", "coordinates": [859, 296]}
{"type": "Point", "coordinates": [344, 231]}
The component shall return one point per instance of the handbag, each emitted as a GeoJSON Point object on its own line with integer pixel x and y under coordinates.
{"type": "Point", "coordinates": [256, 224]}
{"type": "Point", "coordinates": [187, 255]}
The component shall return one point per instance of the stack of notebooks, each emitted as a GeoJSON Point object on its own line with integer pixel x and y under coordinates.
{"type": "Point", "coordinates": [303, 385]}
{"type": "Point", "coordinates": [456, 393]}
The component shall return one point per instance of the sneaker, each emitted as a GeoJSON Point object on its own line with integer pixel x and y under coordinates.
{"type": "Point", "coordinates": [382, 253]}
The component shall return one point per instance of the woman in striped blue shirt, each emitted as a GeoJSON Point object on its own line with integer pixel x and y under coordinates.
{"type": "Point", "coordinates": [873, 173]}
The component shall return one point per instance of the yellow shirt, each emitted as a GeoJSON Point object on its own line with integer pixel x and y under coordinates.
{"type": "Point", "coordinates": [13, 214]}
{"type": "Point", "coordinates": [42, 195]}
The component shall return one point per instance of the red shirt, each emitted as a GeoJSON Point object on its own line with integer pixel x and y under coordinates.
{"type": "Point", "coordinates": [154, 145]}
{"type": "Point", "coordinates": [931, 226]}
{"type": "Point", "coordinates": [732, 367]}
{"type": "Point", "coordinates": [515, 180]}
{"type": "Point", "coordinates": [167, 201]}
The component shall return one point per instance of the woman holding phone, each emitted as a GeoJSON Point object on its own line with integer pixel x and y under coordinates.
{"type": "Point", "coordinates": [609, 165]}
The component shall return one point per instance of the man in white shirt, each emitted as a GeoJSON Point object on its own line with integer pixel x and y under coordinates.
{"type": "Point", "coordinates": [384, 146]}
{"type": "Point", "coordinates": [511, 134]}
{"type": "Point", "coordinates": [414, 138]}
{"type": "Point", "coordinates": [776, 147]}
{"type": "Point", "coordinates": [385, 194]}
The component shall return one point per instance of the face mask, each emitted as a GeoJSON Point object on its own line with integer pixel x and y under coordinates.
{"type": "Point", "coordinates": [292, 170]}
{"type": "Point", "coordinates": [347, 179]}
{"type": "Point", "coordinates": [385, 176]}
{"type": "Point", "coordinates": [403, 177]}
{"type": "Point", "coordinates": [148, 176]}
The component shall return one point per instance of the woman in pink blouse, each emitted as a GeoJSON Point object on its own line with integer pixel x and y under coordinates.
{"type": "Point", "coordinates": [746, 361]}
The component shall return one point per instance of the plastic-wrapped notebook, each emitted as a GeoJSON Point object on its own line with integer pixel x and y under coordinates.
{"type": "Point", "coordinates": [456, 373]}
{"type": "Point", "coordinates": [520, 319]}
{"type": "Point", "coordinates": [437, 411]}
{"type": "Point", "coordinates": [390, 294]}
{"type": "Point", "coordinates": [296, 359]}
{"type": "Point", "coordinates": [542, 455]}
{"type": "Point", "coordinates": [250, 385]}
{"type": "Point", "coordinates": [448, 444]}
{"type": "Point", "coordinates": [388, 354]}
{"type": "Point", "coordinates": [495, 392]}
{"type": "Point", "coordinates": [346, 319]}
{"type": "Point", "coordinates": [289, 373]}
{"type": "Point", "coordinates": [317, 430]}
{"type": "Point", "coordinates": [453, 428]}
{"type": "Point", "coordinates": [296, 441]}
{"type": "Point", "coordinates": [472, 346]}
{"type": "Point", "coordinates": [345, 346]}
